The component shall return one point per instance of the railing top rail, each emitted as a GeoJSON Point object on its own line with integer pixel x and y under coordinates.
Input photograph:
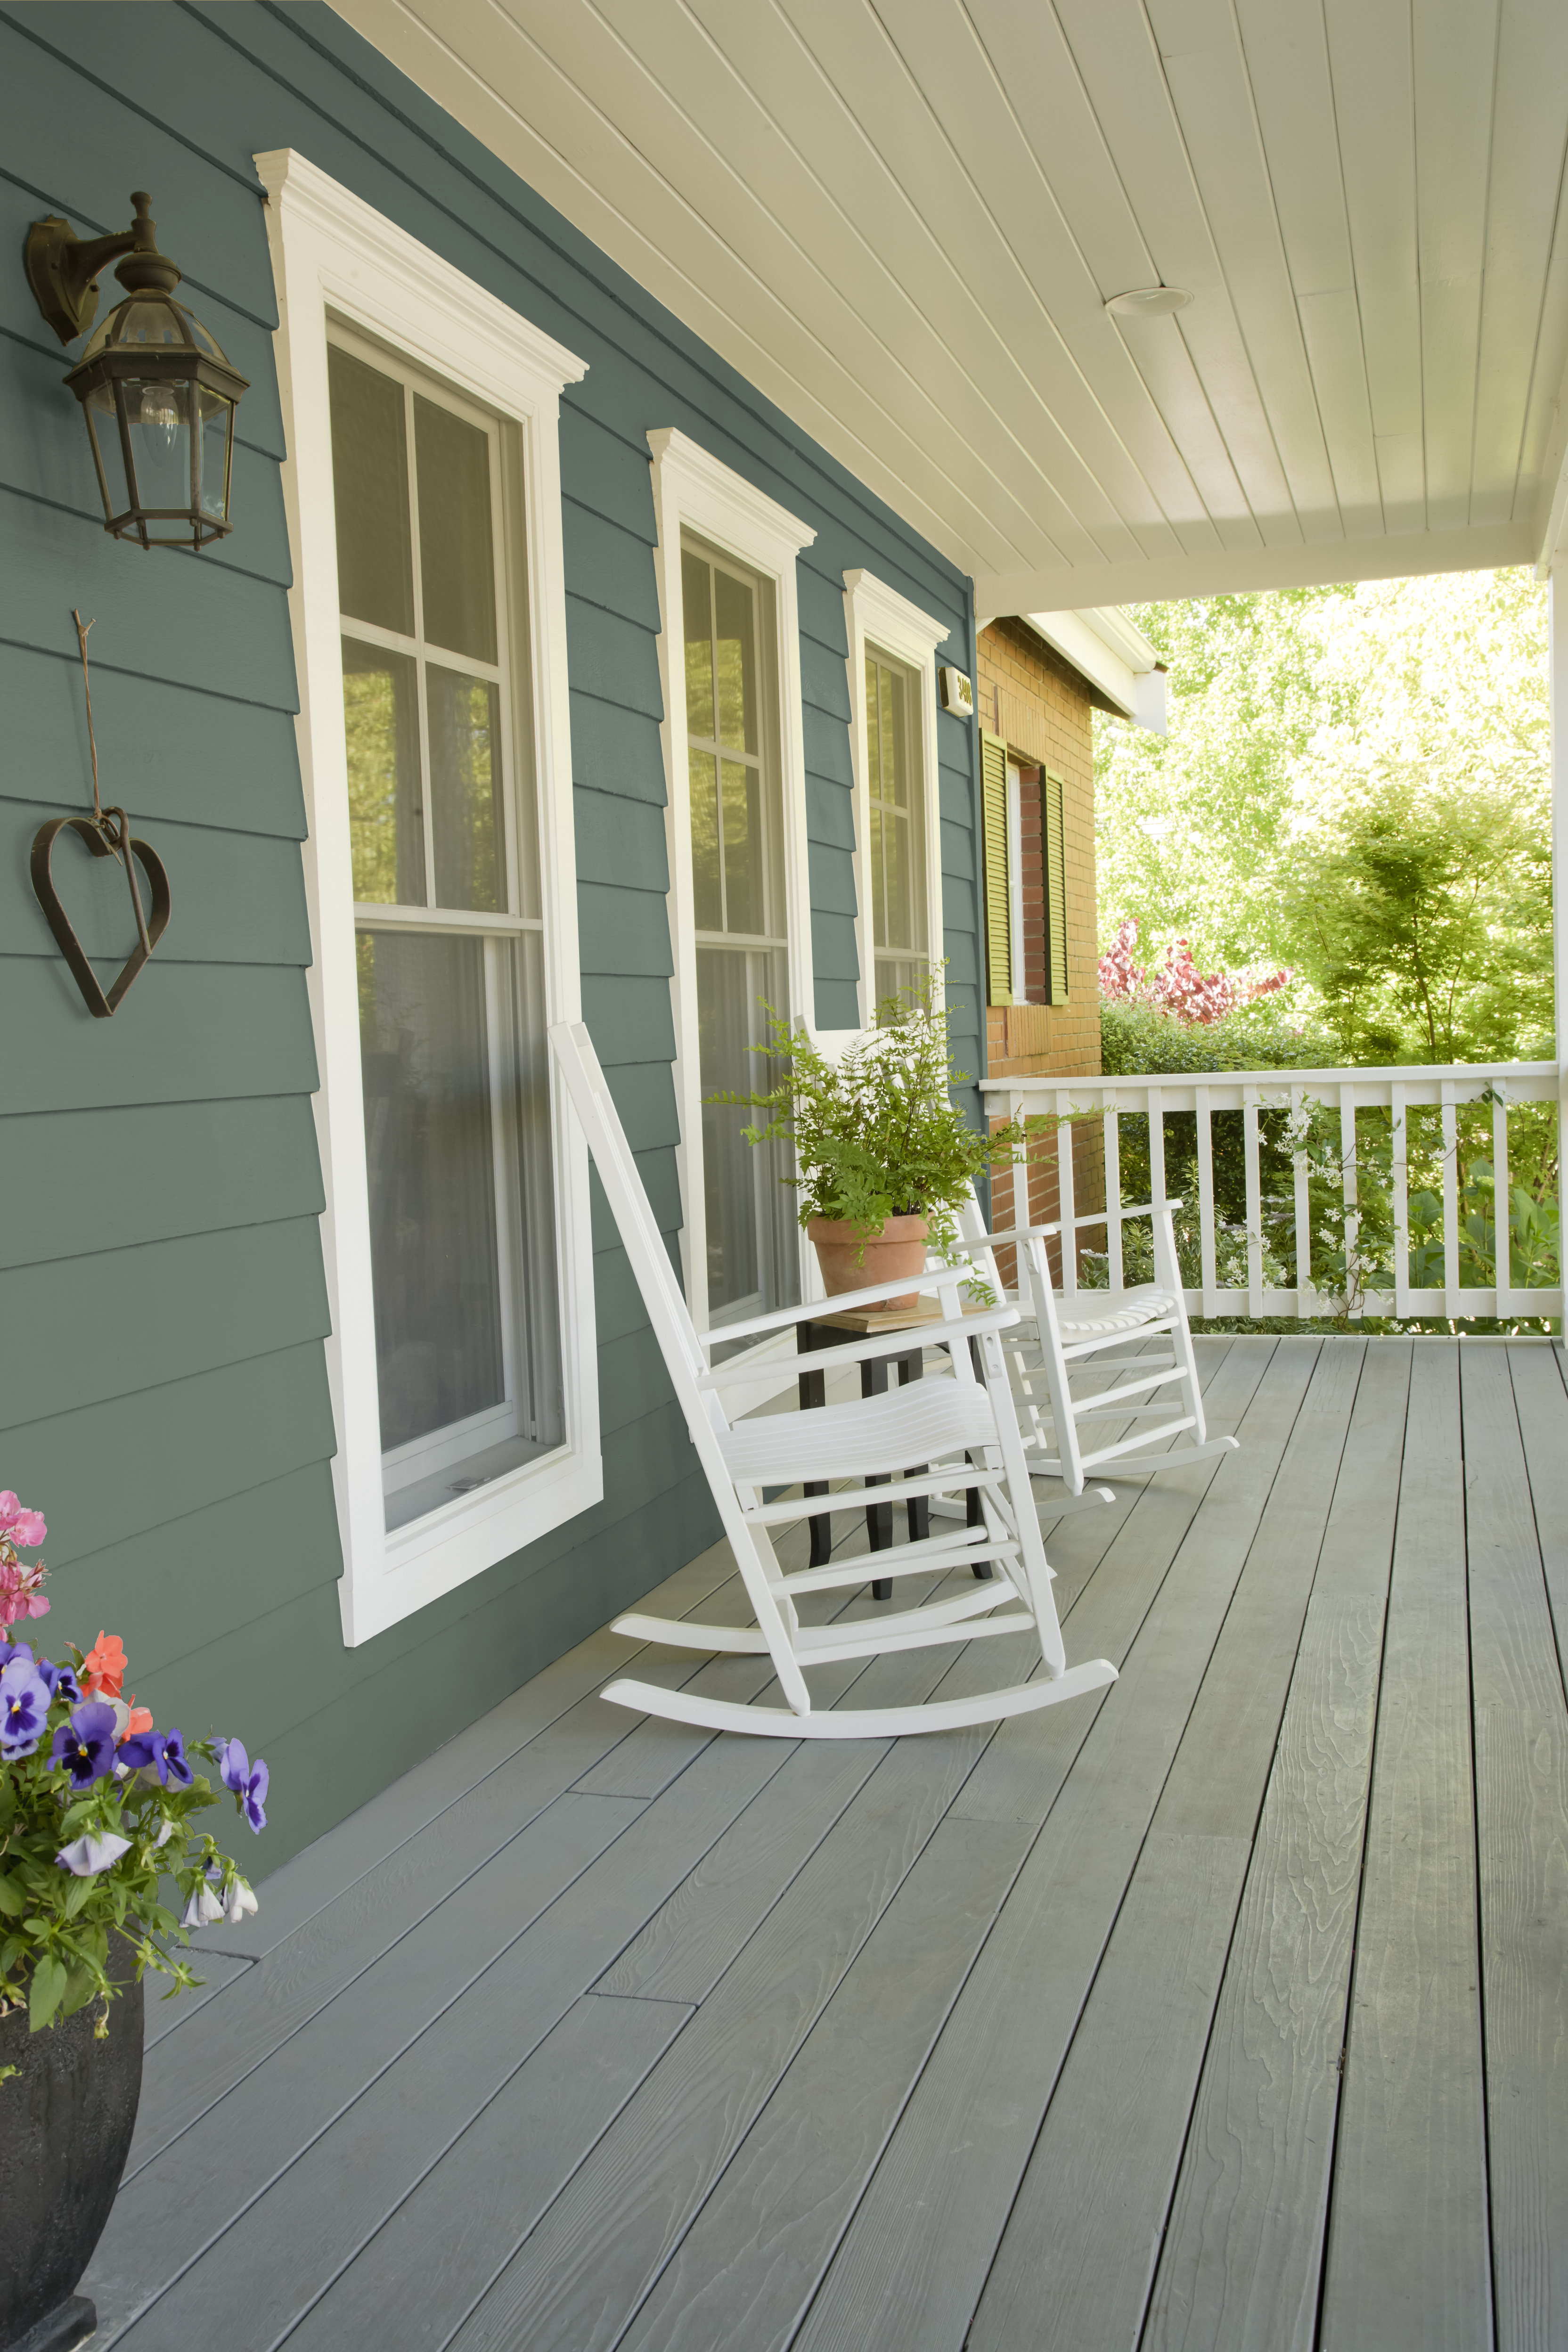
{"type": "Point", "coordinates": [1397, 1073]}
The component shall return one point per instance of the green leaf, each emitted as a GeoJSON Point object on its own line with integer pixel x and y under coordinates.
{"type": "Point", "coordinates": [13, 1902]}
{"type": "Point", "coordinates": [50, 1979]}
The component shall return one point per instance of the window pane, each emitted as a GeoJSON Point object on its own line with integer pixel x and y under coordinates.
{"type": "Point", "coordinates": [742, 848]}
{"type": "Point", "coordinates": [385, 820]}
{"type": "Point", "coordinates": [899, 914]}
{"type": "Point", "coordinates": [370, 485]}
{"type": "Point", "coordinates": [751, 1240]}
{"type": "Point", "coordinates": [697, 597]}
{"type": "Point", "coordinates": [898, 766]}
{"type": "Point", "coordinates": [424, 1048]}
{"type": "Point", "coordinates": [706, 890]}
{"type": "Point", "coordinates": [735, 603]}
{"type": "Point", "coordinates": [878, 878]}
{"type": "Point", "coordinates": [457, 554]}
{"type": "Point", "coordinates": [465, 778]}
{"type": "Point", "coordinates": [729, 1179]}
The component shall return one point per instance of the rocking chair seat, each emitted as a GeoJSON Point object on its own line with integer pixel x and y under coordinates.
{"type": "Point", "coordinates": [1147, 1304]}
{"type": "Point", "coordinates": [870, 1437]}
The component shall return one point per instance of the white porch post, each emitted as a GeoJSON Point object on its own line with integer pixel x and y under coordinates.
{"type": "Point", "coordinates": [1557, 638]}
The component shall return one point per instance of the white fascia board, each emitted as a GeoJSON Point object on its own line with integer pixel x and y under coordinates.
{"type": "Point", "coordinates": [1104, 647]}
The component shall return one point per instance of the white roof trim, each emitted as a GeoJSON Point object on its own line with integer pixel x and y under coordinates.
{"type": "Point", "coordinates": [1103, 646]}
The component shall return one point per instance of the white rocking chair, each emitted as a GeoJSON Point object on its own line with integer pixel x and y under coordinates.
{"type": "Point", "coordinates": [952, 1417]}
{"type": "Point", "coordinates": [1068, 1332]}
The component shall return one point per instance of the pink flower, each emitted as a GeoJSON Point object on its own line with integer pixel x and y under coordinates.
{"type": "Point", "coordinates": [1177, 987]}
{"type": "Point", "coordinates": [18, 1525]}
{"type": "Point", "coordinates": [19, 1594]}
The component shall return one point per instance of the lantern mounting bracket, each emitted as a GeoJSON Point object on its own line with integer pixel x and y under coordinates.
{"type": "Point", "coordinates": [63, 270]}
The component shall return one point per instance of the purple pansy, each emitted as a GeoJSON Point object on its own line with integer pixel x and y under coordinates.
{"type": "Point", "coordinates": [85, 1744]}
{"type": "Point", "coordinates": [164, 1751]}
{"type": "Point", "coordinates": [24, 1708]}
{"type": "Point", "coordinates": [249, 1781]}
{"type": "Point", "coordinates": [61, 1680]}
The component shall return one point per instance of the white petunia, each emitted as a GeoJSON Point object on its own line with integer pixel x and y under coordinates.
{"type": "Point", "coordinates": [165, 1834]}
{"type": "Point", "coordinates": [89, 1853]}
{"type": "Point", "coordinates": [241, 1902]}
{"type": "Point", "coordinates": [203, 1909]}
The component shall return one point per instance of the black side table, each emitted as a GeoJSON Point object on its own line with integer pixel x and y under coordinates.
{"type": "Point", "coordinates": [827, 1331]}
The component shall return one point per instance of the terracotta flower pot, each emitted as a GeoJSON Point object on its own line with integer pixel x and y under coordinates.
{"type": "Point", "coordinates": [899, 1248]}
{"type": "Point", "coordinates": [66, 2120]}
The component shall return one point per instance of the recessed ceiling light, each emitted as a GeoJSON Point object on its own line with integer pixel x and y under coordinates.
{"type": "Point", "coordinates": [1149, 302]}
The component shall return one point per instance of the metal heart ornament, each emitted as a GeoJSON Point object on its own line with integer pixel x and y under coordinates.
{"type": "Point", "coordinates": [107, 836]}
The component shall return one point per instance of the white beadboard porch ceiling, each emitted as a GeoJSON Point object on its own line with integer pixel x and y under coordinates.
{"type": "Point", "coordinates": [901, 221]}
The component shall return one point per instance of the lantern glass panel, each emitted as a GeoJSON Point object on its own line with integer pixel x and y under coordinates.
{"type": "Point", "coordinates": [103, 424]}
{"type": "Point", "coordinates": [217, 427]}
{"type": "Point", "coordinates": [159, 416]}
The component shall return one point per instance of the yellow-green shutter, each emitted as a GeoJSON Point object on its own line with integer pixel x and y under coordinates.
{"type": "Point", "coordinates": [998, 927]}
{"type": "Point", "coordinates": [1053, 847]}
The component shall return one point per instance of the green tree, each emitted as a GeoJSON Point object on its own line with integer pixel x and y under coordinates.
{"type": "Point", "coordinates": [1423, 917]}
{"type": "Point", "coordinates": [1355, 786]}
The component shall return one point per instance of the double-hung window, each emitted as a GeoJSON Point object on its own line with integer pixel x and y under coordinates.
{"type": "Point", "coordinates": [897, 855]}
{"type": "Point", "coordinates": [447, 939]}
{"type": "Point", "coordinates": [739, 905]}
{"type": "Point", "coordinates": [428, 609]}
{"type": "Point", "coordinates": [741, 923]}
{"type": "Point", "coordinates": [896, 843]}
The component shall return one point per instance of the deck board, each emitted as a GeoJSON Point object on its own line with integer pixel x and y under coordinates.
{"type": "Point", "coordinates": [596, 2032]}
{"type": "Point", "coordinates": [1521, 1819]}
{"type": "Point", "coordinates": [1407, 2265]}
{"type": "Point", "coordinates": [1243, 2249]}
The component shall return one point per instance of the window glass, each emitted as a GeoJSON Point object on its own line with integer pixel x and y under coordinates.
{"type": "Point", "coordinates": [737, 871]}
{"type": "Point", "coordinates": [895, 849]}
{"type": "Point", "coordinates": [457, 559]}
{"type": "Point", "coordinates": [450, 963]}
{"type": "Point", "coordinates": [370, 480]}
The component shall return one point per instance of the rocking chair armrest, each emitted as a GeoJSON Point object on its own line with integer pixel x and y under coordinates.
{"type": "Point", "coordinates": [738, 1369]}
{"type": "Point", "coordinates": [757, 1326]}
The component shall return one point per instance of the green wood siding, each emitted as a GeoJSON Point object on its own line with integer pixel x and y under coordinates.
{"type": "Point", "coordinates": [165, 1401]}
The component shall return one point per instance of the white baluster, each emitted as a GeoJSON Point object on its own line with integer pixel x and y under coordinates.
{"type": "Point", "coordinates": [1352, 1221]}
{"type": "Point", "coordinates": [1451, 1302]}
{"type": "Point", "coordinates": [1399, 1177]}
{"type": "Point", "coordinates": [1066, 1197]}
{"type": "Point", "coordinates": [1113, 1187]}
{"type": "Point", "coordinates": [1205, 1202]}
{"type": "Point", "coordinates": [1254, 1202]}
{"type": "Point", "coordinates": [1304, 1296]}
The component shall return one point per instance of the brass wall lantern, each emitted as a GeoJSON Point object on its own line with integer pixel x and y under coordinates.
{"type": "Point", "coordinates": [158, 394]}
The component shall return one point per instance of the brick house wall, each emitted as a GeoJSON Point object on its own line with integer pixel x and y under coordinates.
{"type": "Point", "coordinates": [1027, 693]}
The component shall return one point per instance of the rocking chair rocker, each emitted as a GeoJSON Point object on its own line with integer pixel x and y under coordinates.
{"type": "Point", "coordinates": [958, 1419]}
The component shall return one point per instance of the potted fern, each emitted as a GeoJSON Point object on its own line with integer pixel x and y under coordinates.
{"type": "Point", "coordinates": [884, 1159]}
{"type": "Point", "coordinates": [98, 1821]}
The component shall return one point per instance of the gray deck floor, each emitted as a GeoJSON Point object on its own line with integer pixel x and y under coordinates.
{"type": "Point", "coordinates": [1226, 2008]}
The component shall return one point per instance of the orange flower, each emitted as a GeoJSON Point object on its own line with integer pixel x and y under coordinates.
{"type": "Point", "coordinates": [141, 1717]}
{"type": "Point", "coordinates": [103, 1668]}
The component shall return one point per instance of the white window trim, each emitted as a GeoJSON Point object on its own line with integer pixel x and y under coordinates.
{"type": "Point", "coordinates": [692, 490]}
{"type": "Point", "coordinates": [332, 251]}
{"type": "Point", "coordinates": [878, 616]}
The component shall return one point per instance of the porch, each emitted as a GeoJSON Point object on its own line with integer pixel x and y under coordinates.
{"type": "Point", "coordinates": [1219, 2011]}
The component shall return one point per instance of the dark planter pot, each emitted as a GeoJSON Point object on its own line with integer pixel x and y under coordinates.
{"type": "Point", "coordinates": [66, 2120]}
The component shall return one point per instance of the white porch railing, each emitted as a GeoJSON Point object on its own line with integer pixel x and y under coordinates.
{"type": "Point", "coordinates": [1506, 1086]}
